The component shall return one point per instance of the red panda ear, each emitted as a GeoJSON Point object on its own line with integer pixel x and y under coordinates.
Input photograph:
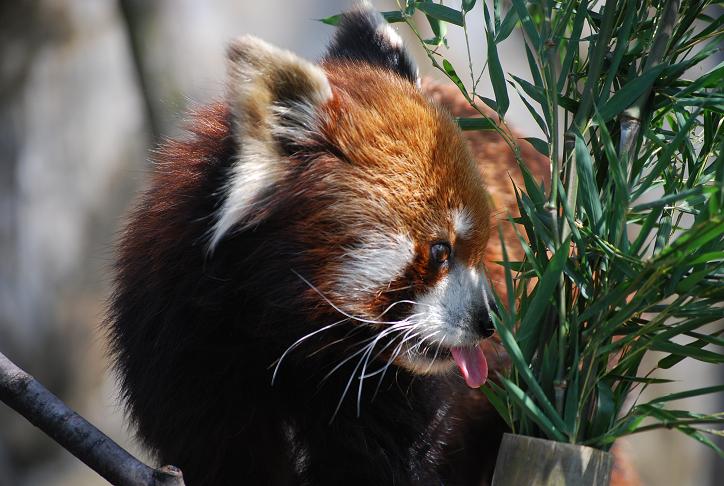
{"type": "Point", "coordinates": [268, 83]}
{"type": "Point", "coordinates": [274, 98]}
{"type": "Point", "coordinates": [364, 35]}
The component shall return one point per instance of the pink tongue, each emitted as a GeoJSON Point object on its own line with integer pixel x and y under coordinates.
{"type": "Point", "coordinates": [472, 364]}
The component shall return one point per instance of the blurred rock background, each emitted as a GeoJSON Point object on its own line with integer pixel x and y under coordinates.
{"type": "Point", "coordinates": [86, 89]}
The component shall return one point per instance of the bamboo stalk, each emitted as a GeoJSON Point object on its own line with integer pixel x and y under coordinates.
{"type": "Point", "coordinates": [630, 119]}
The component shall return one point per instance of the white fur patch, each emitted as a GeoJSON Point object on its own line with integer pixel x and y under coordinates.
{"type": "Point", "coordinates": [252, 175]}
{"type": "Point", "coordinates": [372, 265]}
{"type": "Point", "coordinates": [453, 305]}
{"type": "Point", "coordinates": [462, 222]}
{"type": "Point", "coordinates": [388, 33]}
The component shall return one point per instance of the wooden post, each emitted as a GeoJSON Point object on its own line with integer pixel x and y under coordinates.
{"type": "Point", "coordinates": [530, 461]}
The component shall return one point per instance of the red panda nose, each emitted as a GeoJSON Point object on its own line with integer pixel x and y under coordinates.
{"type": "Point", "coordinates": [485, 323]}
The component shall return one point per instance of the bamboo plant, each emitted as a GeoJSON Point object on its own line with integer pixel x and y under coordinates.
{"type": "Point", "coordinates": [624, 251]}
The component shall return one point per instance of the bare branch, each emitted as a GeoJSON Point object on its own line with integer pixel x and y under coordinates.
{"type": "Point", "coordinates": [33, 401]}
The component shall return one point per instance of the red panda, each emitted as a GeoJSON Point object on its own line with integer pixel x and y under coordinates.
{"type": "Point", "coordinates": [297, 284]}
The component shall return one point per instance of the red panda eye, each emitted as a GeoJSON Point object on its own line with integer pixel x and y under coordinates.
{"type": "Point", "coordinates": [440, 252]}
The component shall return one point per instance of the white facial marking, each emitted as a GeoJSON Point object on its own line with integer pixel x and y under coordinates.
{"type": "Point", "coordinates": [454, 304]}
{"type": "Point", "coordinates": [373, 264]}
{"type": "Point", "coordinates": [462, 222]}
{"type": "Point", "coordinates": [388, 33]}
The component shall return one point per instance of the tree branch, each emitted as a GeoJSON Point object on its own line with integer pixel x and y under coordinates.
{"type": "Point", "coordinates": [28, 397]}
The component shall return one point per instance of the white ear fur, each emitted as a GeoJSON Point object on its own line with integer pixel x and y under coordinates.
{"type": "Point", "coordinates": [272, 94]}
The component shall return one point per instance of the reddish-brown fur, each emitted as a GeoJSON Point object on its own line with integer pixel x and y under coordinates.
{"type": "Point", "coordinates": [425, 153]}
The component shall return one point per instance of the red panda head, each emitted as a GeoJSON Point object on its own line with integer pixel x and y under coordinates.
{"type": "Point", "coordinates": [315, 203]}
{"type": "Point", "coordinates": [375, 186]}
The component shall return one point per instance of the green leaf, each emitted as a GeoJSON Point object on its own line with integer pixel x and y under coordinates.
{"type": "Point", "coordinates": [697, 435]}
{"type": "Point", "coordinates": [711, 257]}
{"type": "Point", "coordinates": [497, 77]}
{"type": "Point", "coordinates": [622, 41]}
{"type": "Point", "coordinates": [468, 5]}
{"type": "Point", "coordinates": [674, 359]}
{"type": "Point", "coordinates": [496, 400]}
{"type": "Point", "coordinates": [439, 29]}
{"type": "Point", "coordinates": [450, 71]}
{"type": "Point", "coordinates": [528, 25]}
{"type": "Point", "coordinates": [541, 300]}
{"type": "Point", "coordinates": [645, 230]}
{"type": "Point", "coordinates": [587, 189]}
{"type": "Point", "coordinates": [712, 79]}
{"type": "Point", "coordinates": [507, 26]}
{"type": "Point", "coordinates": [391, 17]}
{"type": "Point", "coordinates": [668, 199]}
{"type": "Point", "coordinates": [531, 410]}
{"type": "Point", "coordinates": [689, 351]}
{"type": "Point", "coordinates": [490, 103]}
{"type": "Point", "coordinates": [522, 368]}
{"type": "Point", "coordinates": [687, 394]}
{"type": "Point", "coordinates": [572, 44]}
{"type": "Point", "coordinates": [639, 379]}
{"type": "Point", "coordinates": [541, 123]}
{"type": "Point", "coordinates": [630, 93]}
{"type": "Point", "coordinates": [540, 145]}
{"type": "Point", "coordinates": [570, 410]}
{"type": "Point", "coordinates": [605, 409]}
{"type": "Point", "coordinates": [441, 12]}
{"type": "Point", "coordinates": [475, 124]}
{"type": "Point", "coordinates": [331, 20]}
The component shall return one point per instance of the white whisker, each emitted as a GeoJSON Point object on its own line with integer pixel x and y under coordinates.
{"type": "Point", "coordinates": [298, 342]}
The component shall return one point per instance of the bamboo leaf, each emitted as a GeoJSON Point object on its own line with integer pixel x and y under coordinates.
{"type": "Point", "coordinates": [528, 25]}
{"type": "Point", "coordinates": [441, 12]}
{"type": "Point", "coordinates": [475, 124]}
{"type": "Point", "coordinates": [688, 351]}
{"type": "Point", "coordinates": [687, 394]}
{"type": "Point", "coordinates": [630, 93]}
{"type": "Point", "coordinates": [507, 26]}
{"type": "Point", "coordinates": [331, 20]}
{"type": "Point", "coordinates": [521, 367]}
{"type": "Point", "coordinates": [541, 299]}
{"type": "Point", "coordinates": [532, 411]}
{"type": "Point", "coordinates": [572, 44]}
{"type": "Point", "coordinates": [496, 400]}
{"type": "Point", "coordinates": [587, 183]}
{"type": "Point", "coordinates": [497, 77]}
{"type": "Point", "coordinates": [639, 379]}
{"type": "Point", "coordinates": [540, 145]}
{"type": "Point", "coordinates": [605, 409]}
{"type": "Point", "coordinates": [666, 200]}
{"type": "Point", "coordinates": [391, 17]}
{"type": "Point", "coordinates": [450, 71]}
{"type": "Point", "coordinates": [674, 359]}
